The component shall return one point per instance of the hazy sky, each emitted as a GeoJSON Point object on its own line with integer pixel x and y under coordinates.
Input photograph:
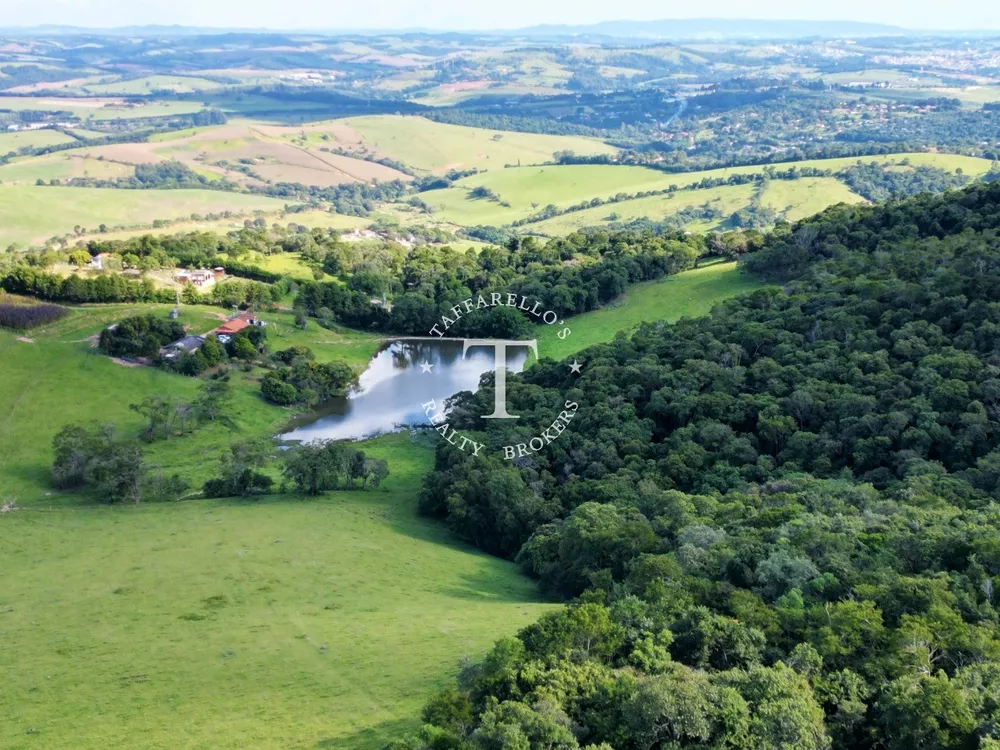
{"type": "Point", "coordinates": [477, 14]}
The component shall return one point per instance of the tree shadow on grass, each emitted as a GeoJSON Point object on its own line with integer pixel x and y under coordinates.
{"type": "Point", "coordinates": [491, 587]}
{"type": "Point", "coordinates": [374, 737]}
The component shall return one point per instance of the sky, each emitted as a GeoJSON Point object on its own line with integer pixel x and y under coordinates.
{"type": "Point", "coordinates": [479, 15]}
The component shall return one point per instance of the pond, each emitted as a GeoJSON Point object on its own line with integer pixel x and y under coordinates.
{"type": "Point", "coordinates": [402, 376]}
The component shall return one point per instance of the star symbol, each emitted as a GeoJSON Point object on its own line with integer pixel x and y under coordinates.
{"type": "Point", "coordinates": [425, 367]}
{"type": "Point", "coordinates": [575, 367]}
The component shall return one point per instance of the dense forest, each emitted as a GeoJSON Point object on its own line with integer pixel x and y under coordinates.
{"type": "Point", "coordinates": [776, 525]}
{"type": "Point", "coordinates": [568, 276]}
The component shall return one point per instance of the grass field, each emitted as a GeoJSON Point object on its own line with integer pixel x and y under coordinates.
{"type": "Point", "coordinates": [530, 188]}
{"type": "Point", "coordinates": [726, 199]}
{"type": "Point", "coordinates": [437, 147]}
{"type": "Point", "coordinates": [30, 214]}
{"type": "Point", "coordinates": [148, 84]}
{"type": "Point", "coordinates": [31, 139]}
{"type": "Point", "coordinates": [315, 218]}
{"type": "Point", "coordinates": [62, 165]}
{"type": "Point", "coordinates": [99, 109]}
{"type": "Point", "coordinates": [687, 295]}
{"type": "Point", "coordinates": [282, 623]}
{"type": "Point", "coordinates": [287, 623]}
{"type": "Point", "coordinates": [807, 196]}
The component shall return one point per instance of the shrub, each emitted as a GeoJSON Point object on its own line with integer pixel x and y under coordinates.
{"type": "Point", "coordinates": [23, 317]}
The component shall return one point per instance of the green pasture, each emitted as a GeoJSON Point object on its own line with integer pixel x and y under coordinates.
{"type": "Point", "coordinates": [726, 199]}
{"type": "Point", "coordinates": [807, 196]}
{"type": "Point", "coordinates": [690, 294]}
{"type": "Point", "coordinates": [31, 214]}
{"type": "Point", "coordinates": [528, 189]}
{"type": "Point", "coordinates": [148, 84]}
{"type": "Point", "coordinates": [62, 165]}
{"type": "Point", "coordinates": [12, 141]}
{"type": "Point", "coordinates": [438, 147]}
{"type": "Point", "coordinates": [276, 624]}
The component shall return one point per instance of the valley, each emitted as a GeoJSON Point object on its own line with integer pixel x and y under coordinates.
{"type": "Point", "coordinates": [748, 499]}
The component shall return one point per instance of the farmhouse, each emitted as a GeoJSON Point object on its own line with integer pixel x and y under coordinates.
{"type": "Point", "coordinates": [237, 323]}
{"type": "Point", "coordinates": [230, 328]}
{"type": "Point", "coordinates": [200, 278]}
{"type": "Point", "coordinates": [185, 345]}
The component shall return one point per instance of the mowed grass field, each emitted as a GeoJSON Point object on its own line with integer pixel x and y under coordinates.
{"type": "Point", "coordinates": [31, 214]}
{"type": "Point", "coordinates": [275, 624]}
{"type": "Point", "coordinates": [437, 147]}
{"type": "Point", "coordinates": [690, 294]}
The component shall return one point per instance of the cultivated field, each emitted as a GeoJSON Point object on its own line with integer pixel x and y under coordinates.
{"type": "Point", "coordinates": [267, 151]}
{"type": "Point", "coordinates": [31, 215]}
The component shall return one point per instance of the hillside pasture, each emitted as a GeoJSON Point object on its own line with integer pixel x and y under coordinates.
{"type": "Point", "coordinates": [690, 294]}
{"type": "Point", "coordinates": [62, 165]}
{"type": "Point", "coordinates": [281, 622]}
{"type": "Point", "coordinates": [436, 147]}
{"type": "Point", "coordinates": [726, 200]}
{"type": "Point", "coordinates": [807, 196]}
{"type": "Point", "coordinates": [12, 141]}
{"type": "Point", "coordinates": [529, 189]}
{"type": "Point", "coordinates": [31, 214]}
{"type": "Point", "coordinates": [99, 108]}
{"type": "Point", "coordinates": [314, 218]}
{"type": "Point", "coordinates": [149, 84]}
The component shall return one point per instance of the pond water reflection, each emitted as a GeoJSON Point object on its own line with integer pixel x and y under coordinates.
{"type": "Point", "coordinates": [391, 390]}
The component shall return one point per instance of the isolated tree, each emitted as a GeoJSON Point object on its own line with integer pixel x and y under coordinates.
{"type": "Point", "coordinates": [239, 470]}
{"type": "Point", "coordinates": [375, 470]}
{"type": "Point", "coordinates": [159, 414]}
{"type": "Point", "coordinates": [213, 400]}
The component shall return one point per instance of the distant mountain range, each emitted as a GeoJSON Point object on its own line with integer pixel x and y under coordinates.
{"type": "Point", "coordinates": [710, 28]}
{"type": "Point", "coordinates": [701, 28]}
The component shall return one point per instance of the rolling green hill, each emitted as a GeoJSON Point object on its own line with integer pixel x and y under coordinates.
{"type": "Point", "coordinates": [30, 214]}
{"type": "Point", "coordinates": [437, 147]}
{"type": "Point", "coordinates": [687, 295]}
{"type": "Point", "coordinates": [528, 189]}
{"type": "Point", "coordinates": [279, 624]}
{"type": "Point", "coordinates": [287, 623]}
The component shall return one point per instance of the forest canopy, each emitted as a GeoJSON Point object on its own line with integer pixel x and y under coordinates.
{"type": "Point", "coordinates": [776, 525]}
